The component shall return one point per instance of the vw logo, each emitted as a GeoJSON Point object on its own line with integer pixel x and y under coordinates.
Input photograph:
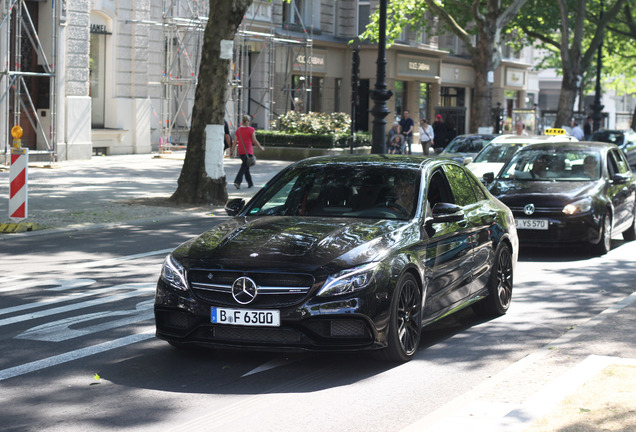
{"type": "Point", "coordinates": [528, 209]}
{"type": "Point", "coordinates": [244, 290]}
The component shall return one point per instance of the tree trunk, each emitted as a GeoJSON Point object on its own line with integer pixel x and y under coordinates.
{"type": "Point", "coordinates": [484, 59]}
{"type": "Point", "coordinates": [194, 185]}
{"type": "Point", "coordinates": [566, 99]}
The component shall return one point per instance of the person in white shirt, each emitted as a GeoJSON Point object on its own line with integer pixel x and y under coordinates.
{"type": "Point", "coordinates": [426, 136]}
{"type": "Point", "coordinates": [576, 131]}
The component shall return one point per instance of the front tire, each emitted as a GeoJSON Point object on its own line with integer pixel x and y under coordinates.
{"type": "Point", "coordinates": [405, 323]}
{"type": "Point", "coordinates": [605, 244]}
{"type": "Point", "coordinates": [630, 234]}
{"type": "Point", "coordinates": [499, 285]}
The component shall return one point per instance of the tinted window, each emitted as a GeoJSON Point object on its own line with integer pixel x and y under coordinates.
{"type": "Point", "coordinates": [341, 190]}
{"type": "Point", "coordinates": [554, 164]}
{"type": "Point", "coordinates": [460, 185]}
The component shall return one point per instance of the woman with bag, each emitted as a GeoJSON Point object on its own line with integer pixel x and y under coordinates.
{"type": "Point", "coordinates": [243, 144]}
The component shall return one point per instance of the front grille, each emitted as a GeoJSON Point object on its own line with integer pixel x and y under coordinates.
{"type": "Point", "coordinates": [275, 290]}
{"type": "Point", "coordinates": [538, 211]}
{"type": "Point", "coordinates": [256, 335]}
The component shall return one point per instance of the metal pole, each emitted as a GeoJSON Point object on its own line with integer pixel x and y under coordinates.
{"type": "Point", "coordinates": [597, 108]}
{"type": "Point", "coordinates": [355, 82]}
{"type": "Point", "coordinates": [380, 95]}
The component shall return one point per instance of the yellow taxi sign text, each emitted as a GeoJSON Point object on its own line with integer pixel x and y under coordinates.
{"type": "Point", "coordinates": [555, 131]}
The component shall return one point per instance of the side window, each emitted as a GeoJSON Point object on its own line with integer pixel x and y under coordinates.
{"type": "Point", "coordinates": [479, 192]}
{"type": "Point", "coordinates": [620, 163]}
{"type": "Point", "coordinates": [460, 185]}
{"type": "Point", "coordinates": [612, 168]}
{"type": "Point", "coordinates": [438, 190]}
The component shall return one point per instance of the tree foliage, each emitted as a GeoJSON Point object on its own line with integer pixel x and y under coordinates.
{"type": "Point", "coordinates": [479, 24]}
{"type": "Point", "coordinates": [574, 29]}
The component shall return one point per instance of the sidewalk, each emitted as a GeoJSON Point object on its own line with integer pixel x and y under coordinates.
{"type": "Point", "coordinates": [591, 367]}
{"type": "Point", "coordinates": [112, 189]}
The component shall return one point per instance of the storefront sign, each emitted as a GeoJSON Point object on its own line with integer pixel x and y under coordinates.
{"type": "Point", "coordinates": [315, 60]}
{"type": "Point", "coordinates": [99, 29]}
{"type": "Point", "coordinates": [418, 67]}
{"type": "Point", "coordinates": [515, 77]}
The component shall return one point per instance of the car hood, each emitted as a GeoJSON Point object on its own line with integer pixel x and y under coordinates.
{"type": "Point", "coordinates": [300, 243]}
{"type": "Point", "coordinates": [459, 156]}
{"type": "Point", "coordinates": [481, 168]}
{"type": "Point", "coordinates": [542, 193]}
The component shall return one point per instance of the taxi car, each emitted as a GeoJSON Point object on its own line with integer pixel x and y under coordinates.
{"type": "Point", "coordinates": [488, 163]}
{"type": "Point", "coordinates": [567, 193]}
{"type": "Point", "coordinates": [342, 253]}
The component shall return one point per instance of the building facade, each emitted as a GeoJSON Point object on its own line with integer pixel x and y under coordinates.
{"type": "Point", "coordinates": [113, 77]}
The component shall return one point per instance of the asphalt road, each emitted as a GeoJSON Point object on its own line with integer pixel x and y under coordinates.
{"type": "Point", "coordinates": [79, 353]}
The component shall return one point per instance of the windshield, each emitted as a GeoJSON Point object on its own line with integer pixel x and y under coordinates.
{"type": "Point", "coordinates": [555, 164]}
{"type": "Point", "coordinates": [609, 137]}
{"type": "Point", "coordinates": [500, 153]}
{"type": "Point", "coordinates": [466, 145]}
{"type": "Point", "coordinates": [339, 190]}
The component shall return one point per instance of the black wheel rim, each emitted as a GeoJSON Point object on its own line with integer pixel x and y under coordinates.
{"type": "Point", "coordinates": [504, 277]}
{"type": "Point", "coordinates": [408, 317]}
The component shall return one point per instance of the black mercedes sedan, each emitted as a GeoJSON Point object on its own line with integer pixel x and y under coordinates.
{"type": "Point", "coordinates": [569, 193]}
{"type": "Point", "coordinates": [342, 253]}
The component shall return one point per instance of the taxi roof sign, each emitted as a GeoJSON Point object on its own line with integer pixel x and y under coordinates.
{"type": "Point", "coordinates": [555, 131]}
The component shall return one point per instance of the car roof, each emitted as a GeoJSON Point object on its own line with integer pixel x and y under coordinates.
{"type": "Point", "coordinates": [581, 145]}
{"type": "Point", "coordinates": [530, 139]}
{"type": "Point", "coordinates": [410, 161]}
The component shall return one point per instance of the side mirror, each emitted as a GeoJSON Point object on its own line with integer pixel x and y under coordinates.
{"type": "Point", "coordinates": [468, 160]}
{"type": "Point", "coordinates": [234, 206]}
{"type": "Point", "coordinates": [446, 212]}
{"type": "Point", "coordinates": [489, 177]}
{"type": "Point", "coordinates": [620, 178]}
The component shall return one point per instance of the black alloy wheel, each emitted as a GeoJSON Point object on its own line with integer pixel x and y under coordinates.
{"type": "Point", "coordinates": [605, 244]}
{"type": "Point", "coordinates": [405, 325]}
{"type": "Point", "coordinates": [499, 285]}
{"type": "Point", "coordinates": [630, 234]}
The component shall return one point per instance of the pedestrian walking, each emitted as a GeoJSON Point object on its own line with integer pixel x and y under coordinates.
{"type": "Point", "coordinates": [243, 145]}
{"type": "Point", "coordinates": [426, 136]}
{"type": "Point", "coordinates": [587, 128]}
{"type": "Point", "coordinates": [440, 137]}
{"type": "Point", "coordinates": [576, 131]}
{"type": "Point", "coordinates": [407, 125]}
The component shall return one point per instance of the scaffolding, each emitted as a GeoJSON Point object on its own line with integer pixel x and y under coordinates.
{"type": "Point", "coordinates": [252, 78]}
{"type": "Point", "coordinates": [29, 71]}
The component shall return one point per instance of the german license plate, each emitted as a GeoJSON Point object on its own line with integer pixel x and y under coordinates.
{"type": "Point", "coordinates": [532, 224]}
{"type": "Point", "coordinates": [245, 317]}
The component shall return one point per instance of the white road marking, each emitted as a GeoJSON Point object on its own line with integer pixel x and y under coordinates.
{"type": "Point", "coordinates": [61, 330]}
{"type": "Point", "coordinates": [105, 262]}
{"type": "Point", "coordinates": [59, 284]}
{"type": "Point", "coordinates": [137, 289]}
{"type": "Point", "coordinates": [147, 333]}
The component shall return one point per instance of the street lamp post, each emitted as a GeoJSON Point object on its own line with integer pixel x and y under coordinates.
{"type": "Point", "coordinates": [597, 108]}
{"type": "Point", "coordinates": [380, 95]}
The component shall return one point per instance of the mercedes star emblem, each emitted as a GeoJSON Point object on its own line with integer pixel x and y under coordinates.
{"type": "Point", "coordinates": [244, 290]}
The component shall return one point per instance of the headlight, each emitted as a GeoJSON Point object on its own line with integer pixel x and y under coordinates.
{"type": "Point", "coordinates": [580, 206]}
{"type": "Point", "coordinates": [174, 274]}
{"type": "Point", "coordinates": [350, 280]}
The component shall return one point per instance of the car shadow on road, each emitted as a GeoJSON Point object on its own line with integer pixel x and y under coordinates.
{"type": "Point", "coordinates": [561, 253]}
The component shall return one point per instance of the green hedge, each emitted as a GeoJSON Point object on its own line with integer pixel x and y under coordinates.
{"type": "Point", "coordinates": [283, 139]}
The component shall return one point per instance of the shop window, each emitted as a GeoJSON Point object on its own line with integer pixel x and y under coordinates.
{"type": "Point", "coordinates": [336, 96]}
{"type": "Point", "coordinates": [453, 97]}
{"type": "Point", "coordinates": [400, 98]}
{"type": "Point", "coordinates": [97, 78]}
{"type": "Point", "coordinates": [425, 89]}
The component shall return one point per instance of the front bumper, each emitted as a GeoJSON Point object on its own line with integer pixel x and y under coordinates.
{"type": "Point", "coordinates": [562, 229]}
{"type": "Point", "coordinates": [353, 323]}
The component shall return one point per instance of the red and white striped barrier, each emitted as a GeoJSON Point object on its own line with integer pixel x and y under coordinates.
{"type": "Point", "coordinates": [18, 175]}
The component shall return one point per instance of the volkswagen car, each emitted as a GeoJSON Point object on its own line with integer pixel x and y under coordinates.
{"type": "Point", "coordinates": [342, 253]}
{"type": "Point", "coordinates": [569, 193]}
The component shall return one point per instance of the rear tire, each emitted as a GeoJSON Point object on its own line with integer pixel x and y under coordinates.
{"type": "Point", "coordinates": [499, 285]}
{"type": "Point", "coordinates": [405, 322]}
